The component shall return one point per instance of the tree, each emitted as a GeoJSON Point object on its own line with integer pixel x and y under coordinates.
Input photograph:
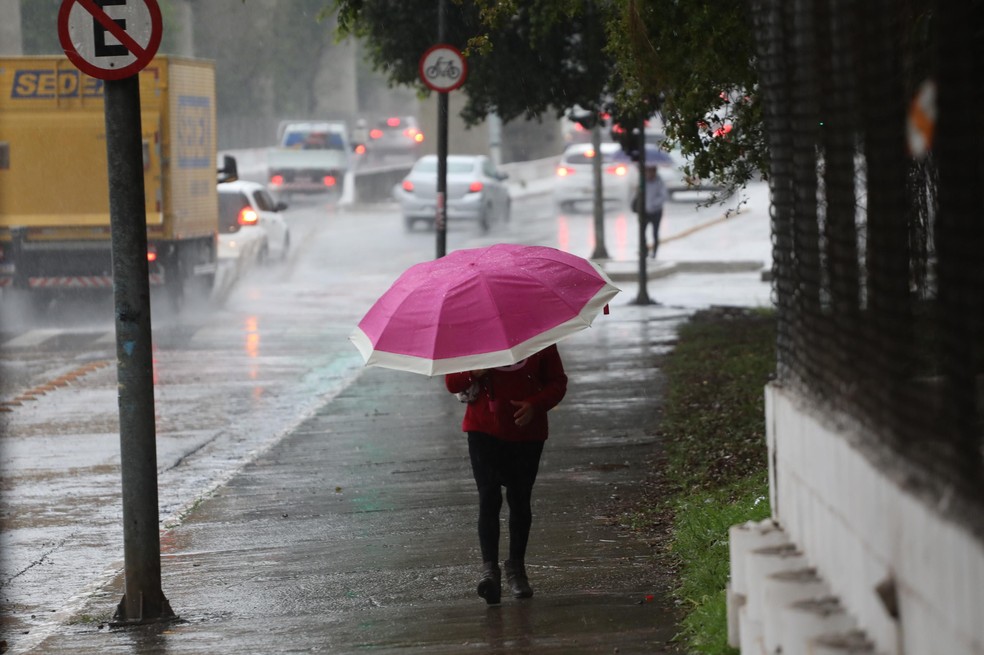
{"type": "Point", "coordinates": [524, 59]}
{"type": "Point", "coordinates": [697, 57]}
{"type": "Point", "coordinates": [687, 62]}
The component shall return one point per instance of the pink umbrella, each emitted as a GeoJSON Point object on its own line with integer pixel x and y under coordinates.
{"type": "Point", "coordinates": [481, 308]}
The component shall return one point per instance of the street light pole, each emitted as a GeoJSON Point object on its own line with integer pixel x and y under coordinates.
{"type": "Point", "coordinates": [600, 252]}
{"type": "Point", "coordinates": [643, 297]}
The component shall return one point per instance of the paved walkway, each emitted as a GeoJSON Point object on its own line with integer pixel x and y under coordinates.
{"type": "Point", "coordinates": [357, 531]}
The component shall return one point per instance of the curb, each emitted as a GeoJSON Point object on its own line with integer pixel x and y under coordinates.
{"type": "Point", "coordinates": [627, 271]}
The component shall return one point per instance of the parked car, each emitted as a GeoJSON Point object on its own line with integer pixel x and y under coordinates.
{"type": "Point", "coordinates": [475, 191]}
{"type": "Point", "coordinates": [247, 206]}
{"type": "Point", "coordinates": [395, 135]}
{"type": "Point", "coordinates": [575, 176]}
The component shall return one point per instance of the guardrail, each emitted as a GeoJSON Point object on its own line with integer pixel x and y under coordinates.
{"type": "Point", "coordinates": [367, 184]}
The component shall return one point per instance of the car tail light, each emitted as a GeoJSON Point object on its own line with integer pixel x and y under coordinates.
{"type": "Point", "coordinates": [564, 171]}
{"type": "Point", "coordinates": [408, 186]}
{"type": "Point", "coordinates": [329, 180]}
{"type": "Point", "coordinates": [589, 154]}
{"type": "Point", "coordinates": [360, 149]}
{"type": "Point", "coordinates": [277, 180]}
{"type": "Point", "coordinates": [247, 216]}
{"type": "Point", "coordinates": [475, 187]}
{"type": "Point", "coordinates": [375, 133]}
{"type": "Point", "coordinates": [151, 253]}
{"type": "Point", "coordinates": [419, 137]}
{"type": "Point", "coordinates": [619, 169]}
{"type": "Point", "coordinates": [393, 121]}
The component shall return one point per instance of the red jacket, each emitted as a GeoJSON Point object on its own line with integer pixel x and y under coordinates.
{"type": "Point", "coordinates": [540, 380]}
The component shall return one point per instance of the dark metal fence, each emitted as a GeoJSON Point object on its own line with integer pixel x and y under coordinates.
{"type": "Point", "coordinates": [879, 244]}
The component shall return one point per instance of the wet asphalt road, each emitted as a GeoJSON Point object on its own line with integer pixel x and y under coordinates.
{"type": "Point", "coordinates": [357, 531]}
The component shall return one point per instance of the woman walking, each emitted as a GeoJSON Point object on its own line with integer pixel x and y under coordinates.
{"type": "Point", "coordinates": [506, 422]}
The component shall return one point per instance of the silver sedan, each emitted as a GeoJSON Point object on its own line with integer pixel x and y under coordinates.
{"type": "Point", "coordinates": [475, 191]}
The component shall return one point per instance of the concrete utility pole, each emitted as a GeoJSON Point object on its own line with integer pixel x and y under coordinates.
{"type": "Point", "coordinates": [184, 14]}
{"type": "Point", "coordinates": [11, 40]}
{"type": "Point", "coordinates": [335, 90]}
{"type": "Point", "coordinates": [143, 600]}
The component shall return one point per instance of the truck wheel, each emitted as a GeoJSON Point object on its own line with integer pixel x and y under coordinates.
{"type": "Point", "coordinates": [29, 305]}
{"type": "Point", "coordinates": [286, 250]}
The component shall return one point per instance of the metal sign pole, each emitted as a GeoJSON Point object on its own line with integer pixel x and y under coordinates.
{"type": "Point", "coordinates": [642, 298]}
{"type": "Point", "coordinates": [143, 600]}
{"type": "Point", "coordinates": [441, 226]}
{"type": "Point", "coordinates": [442, 175]}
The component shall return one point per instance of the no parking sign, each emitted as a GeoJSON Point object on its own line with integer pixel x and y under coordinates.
{"type": "Point", "coordinates": [110, 39]}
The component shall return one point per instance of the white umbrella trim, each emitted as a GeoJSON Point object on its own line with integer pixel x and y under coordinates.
{"type": "Point", "coordinates": [426, 366]}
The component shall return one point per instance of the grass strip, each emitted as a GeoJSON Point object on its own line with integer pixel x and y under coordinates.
{"type": "Point", "coordinates": [714, 474]}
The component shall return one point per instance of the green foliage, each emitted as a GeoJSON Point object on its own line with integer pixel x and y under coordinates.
{"type": "Point", "coordinates": [700, 543]}
{"type": "Point", "coordinates": [697, 58]}
{"type": "Point", "coordinates": [689, 60]}
{"type": "Point", "coordinates": [524, 59]}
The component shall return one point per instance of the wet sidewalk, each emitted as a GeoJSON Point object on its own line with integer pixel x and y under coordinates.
{"type": "Point", "coordinates": [357, 531]}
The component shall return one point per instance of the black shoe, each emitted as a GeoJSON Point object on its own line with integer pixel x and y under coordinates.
{"type": "Point", "coordinates": [517, 580]}
{"type": "Point", "coordinates": [490, 586]}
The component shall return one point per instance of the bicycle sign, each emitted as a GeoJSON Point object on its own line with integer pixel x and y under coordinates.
{"type": "Point", "coordinates": [443, 68]}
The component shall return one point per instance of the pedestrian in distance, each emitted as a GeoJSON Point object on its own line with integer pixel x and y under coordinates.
{"type": "Point", "coordinates": [506, 422]}
{"type": "Point", "coordinates": [656, 197]}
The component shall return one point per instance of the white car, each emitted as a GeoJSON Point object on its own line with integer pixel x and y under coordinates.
{"type": "Point", "coordinates": [245, 206]}
{"type": "Point", "coordinates": [475, 191]}
{"type": "Point", "coordinates": [677, 181]}
{"type": "Point", "coordinates": [241, 243]}
{"type": "Point", "coordinates": [575, 176]}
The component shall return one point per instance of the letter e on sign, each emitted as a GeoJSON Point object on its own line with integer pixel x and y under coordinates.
{"type": "Point", "coordinates": [110, 39]}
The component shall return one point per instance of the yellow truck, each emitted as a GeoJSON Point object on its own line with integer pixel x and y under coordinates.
{"type": "Point", "coordinates": [54, 194]}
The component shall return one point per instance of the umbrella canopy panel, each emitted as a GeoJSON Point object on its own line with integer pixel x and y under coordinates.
{"type": "Point", "coordinates": [496, 304]}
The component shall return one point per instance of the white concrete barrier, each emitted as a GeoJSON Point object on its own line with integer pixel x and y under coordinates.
{"type": "Point", "coordinates": [904, 576]}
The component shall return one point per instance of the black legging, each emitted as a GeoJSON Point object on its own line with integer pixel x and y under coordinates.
{"type": "Point", "coordinates": [653, 219]}
{"type": "Point", "coordinates": [513, 465]}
